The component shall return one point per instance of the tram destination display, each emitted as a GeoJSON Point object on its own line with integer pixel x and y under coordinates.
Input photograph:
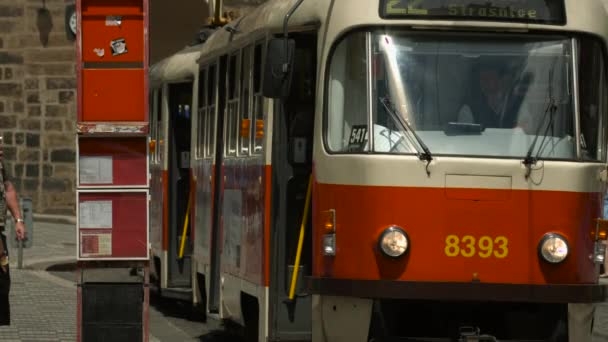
{"type": "Point", "coordinates": [528, 11]}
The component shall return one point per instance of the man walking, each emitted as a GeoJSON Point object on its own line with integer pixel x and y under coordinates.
{"type": "Point", "coordinates": [8, 199]}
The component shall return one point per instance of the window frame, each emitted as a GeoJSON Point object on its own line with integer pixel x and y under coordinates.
{"type": "Point", "coordinates": [153, 124]}
{"type": "Point", "coordinates": [232, 105]}
{"type": "Point", "coordinates": [601, 153]}
{"type": "Point", "coordinates": [201, 113]}
{"type": "Point", "coordinates": [374, 29]}
{"type": "Point", "coordinates": [257, 101]}
{"type": "Point", "coordinates": [245, 78]}
{"type": "Point", "coordinates": [211, 95]}
{"type": "Point", "coordinates": [160, 132]}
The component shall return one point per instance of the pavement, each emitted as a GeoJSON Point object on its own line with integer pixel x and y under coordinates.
{"type": "Point", "coordinates": [44, 299]}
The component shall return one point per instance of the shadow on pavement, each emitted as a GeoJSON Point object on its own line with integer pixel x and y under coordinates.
{"type": "Point", "coordinates": [66, 267]}
{"type": "Point", "coordinates": [220, 336]}
{"type": "Point", "coordinates": [175, 308]}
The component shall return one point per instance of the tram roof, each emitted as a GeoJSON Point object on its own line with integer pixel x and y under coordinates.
{"type": "Point", "coordinates": [582, 16]}
{"type": "Point", "coordinates": [179, 66]}
{"type": "Point", "coordinates": [268, 16]}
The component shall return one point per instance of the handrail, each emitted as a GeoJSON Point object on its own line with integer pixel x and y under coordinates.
{"type": "Point", "coordinates": [294, 275]}
{"type": "Point", "coordinates": [181, 249]}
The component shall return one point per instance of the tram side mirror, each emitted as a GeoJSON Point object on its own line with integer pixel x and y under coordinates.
{"type": "Point", "coordinates": [278, 69]}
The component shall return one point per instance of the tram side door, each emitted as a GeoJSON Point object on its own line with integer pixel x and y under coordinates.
{"type": "Point", "coordinates": [218, 183]}
{"type": "Point", "coordinates": [293, 127]}
{"type": "Point", "coordinates": [180, 122]}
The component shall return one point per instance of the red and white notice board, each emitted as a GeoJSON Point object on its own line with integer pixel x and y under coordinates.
{"type": "Point", "coordinates": [113, 162]}
{"type": "Point", "coordinates": [112, 198]}
{"type": "Point", "coordinates": [112, 224]}
{"type": "Point", "coordinates": [112, 66]}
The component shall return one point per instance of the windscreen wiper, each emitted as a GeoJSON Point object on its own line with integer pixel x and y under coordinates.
{"type": "Point", "coordinates": [529, 160]}
{"type": "Point", "coordinates": [550, 110]}
{"type": "Point", "coordinates": [425, 154]}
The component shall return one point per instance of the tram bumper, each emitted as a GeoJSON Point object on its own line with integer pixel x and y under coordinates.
{"type": "Point", "coordinates": [342, 298]}
{"type": "Point", "coordinates": [390, 289]}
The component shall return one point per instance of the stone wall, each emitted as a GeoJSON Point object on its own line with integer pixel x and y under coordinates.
{"type": "Point", "coordinates": [38, 102]}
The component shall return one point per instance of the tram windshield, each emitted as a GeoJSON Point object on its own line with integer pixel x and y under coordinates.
{"type": "Point", "coordinates": [464, 95]}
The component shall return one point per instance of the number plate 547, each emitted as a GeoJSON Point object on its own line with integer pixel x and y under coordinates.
{"type": "Point", "coordinates": [484, 247]}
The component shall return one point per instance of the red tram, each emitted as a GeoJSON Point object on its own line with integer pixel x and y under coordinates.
{"type": "Point", "coordinates": [356, 170]}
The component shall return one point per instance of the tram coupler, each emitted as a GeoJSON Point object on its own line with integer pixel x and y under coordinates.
{"type": "Point", "coordinates": [473, 334]}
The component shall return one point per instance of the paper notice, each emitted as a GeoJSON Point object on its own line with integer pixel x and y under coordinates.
{"type": "Point", "coordinates": [96, 170]}
{"type": "Point", "coordinates": [95, 244]}
{"type": "Point", "coordinates": [112, 20]}
{"type": "Point", "coordinates": [95, 214]}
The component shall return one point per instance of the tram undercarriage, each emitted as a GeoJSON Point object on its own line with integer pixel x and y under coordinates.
{"type": "Point", "coordinates": [468, 321]}
{"type": "Point", "coordinates": [405, 320]}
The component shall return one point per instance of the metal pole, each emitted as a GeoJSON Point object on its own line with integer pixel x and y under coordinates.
{"type": "Point", "coordinates": [218, 12]}
{"type": "Point", "coordinates": [20, 255]}
{"type": "Point", "coordinates": [20, 242]}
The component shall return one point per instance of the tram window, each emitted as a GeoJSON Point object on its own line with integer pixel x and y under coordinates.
{"type": "Point", "coordinates": [232, 105]}
{"type": "Point", "coordinates": [347, 119]}
{"type": "Point", "coordinates": [152, 122]}
{"type": "Point", "coordinates": [257, 69]}
{"type": "Point", "coordinates": [442, 87]}
{"type": "Point", "coordinates": [244, 124]}
{"type": "Point", "coordinates": [232, 81]}
{"type": "Point", "coordinates": [257, 108]}
{"type": "Point", "coordinates": [210, 126]}
{"type": "Point", "coordinates": [593, 106]}
{"type": "Point", "coordinates": [202, 114]}
{"type": "Point", "coordinates": [160, 131]}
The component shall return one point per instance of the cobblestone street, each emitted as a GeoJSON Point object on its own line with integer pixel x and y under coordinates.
{"type": "Point", "coordinates": [43, 308]}
{"type": "Point", "coordinates": [43, 303]}
{"type": "Point", "coordinates": [600, 331]}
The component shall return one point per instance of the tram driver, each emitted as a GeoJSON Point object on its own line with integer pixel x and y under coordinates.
{"type": "Point", "coordinates": [489, 101]}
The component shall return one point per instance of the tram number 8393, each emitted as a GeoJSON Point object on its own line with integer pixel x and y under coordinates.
{"type": "Point", "coordinates": [484, 247]}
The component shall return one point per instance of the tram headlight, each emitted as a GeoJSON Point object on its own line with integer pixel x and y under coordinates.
{"type": "Point", "coordinates": [600, 252]}
{"type": "Point", "coordinates": [329, 244]}
{"type": "Point", "coordinates": [553, 248]}
{"type": "Point", "coordinates": [394, 242]}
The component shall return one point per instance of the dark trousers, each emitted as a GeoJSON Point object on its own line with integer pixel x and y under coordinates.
{"type": "Point", "coordinates": [5, 286]}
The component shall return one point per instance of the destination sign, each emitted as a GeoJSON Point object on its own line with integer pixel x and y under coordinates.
{"type": "Point", "coordinates": [529, 11]}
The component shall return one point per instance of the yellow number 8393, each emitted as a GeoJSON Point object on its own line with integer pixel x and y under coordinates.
{"type": "Point", "coordinates": [468, 246]}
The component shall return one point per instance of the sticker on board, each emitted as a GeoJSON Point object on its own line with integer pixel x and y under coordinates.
{"type": "Point", "coordinates": [358, 138]}
{"type": "Point", "coordinates": [99, 52]}
{"type": "Point", "coordinates": [113, 20]}
{"type": "Point", "coordinates": [95, 244]}
{"type": "Point", "coordinates": [119, 47]}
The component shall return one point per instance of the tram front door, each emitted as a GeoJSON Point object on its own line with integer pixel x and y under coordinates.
{"type": "Point", "coordinates": [179, 187]}
{"type": "Point", "coordinates": [292, 167]}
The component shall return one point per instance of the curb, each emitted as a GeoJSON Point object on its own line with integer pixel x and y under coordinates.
{"type": "Point", "coordinates": [65, 219]}
{"type": "Point", "coordinates": [63, 263]}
